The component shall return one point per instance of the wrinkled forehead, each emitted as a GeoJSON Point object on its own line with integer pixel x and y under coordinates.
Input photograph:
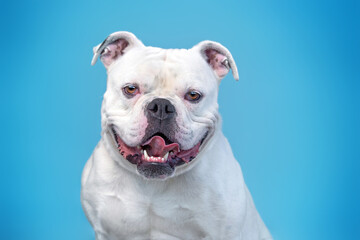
{"type": "Point", "coordinates": [163, 68]}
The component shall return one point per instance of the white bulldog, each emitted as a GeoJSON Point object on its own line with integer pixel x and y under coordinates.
{"type": "Point", "coordinates": [163, 169]}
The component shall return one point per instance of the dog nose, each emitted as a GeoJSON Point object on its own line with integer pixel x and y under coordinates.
{"type": "Point", "coordinates": [161, 109]}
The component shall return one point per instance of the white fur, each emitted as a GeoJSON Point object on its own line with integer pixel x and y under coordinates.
{"type": "Point", "coordinates": [204, 199]}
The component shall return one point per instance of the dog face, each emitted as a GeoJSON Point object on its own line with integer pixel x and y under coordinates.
{"type": "Point", "coordinates": [160, 107]}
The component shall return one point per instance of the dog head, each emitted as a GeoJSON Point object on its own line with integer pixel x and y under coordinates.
{"type": "Point", "coordinates": [160, 107]}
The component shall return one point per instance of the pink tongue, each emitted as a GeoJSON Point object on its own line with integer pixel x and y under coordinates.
{"type": "Point", "coordinates": [158, 148]}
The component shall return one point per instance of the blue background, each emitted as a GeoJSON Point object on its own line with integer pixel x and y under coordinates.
{"type": "Point", "coordinates": [292, 119]}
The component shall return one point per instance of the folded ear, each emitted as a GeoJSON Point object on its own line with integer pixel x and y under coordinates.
{"type": "Point", "coordinates": [114, 46]}
{"type": "Point", "coordinates": [218, 58]}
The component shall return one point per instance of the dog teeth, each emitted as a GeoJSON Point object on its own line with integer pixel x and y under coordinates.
{"type": "Point", "coordinates": [146, 156]}
{"type": "Point", "coordinates": [154, 159]}
{"type": "Point", "coordinates": [166, 156]}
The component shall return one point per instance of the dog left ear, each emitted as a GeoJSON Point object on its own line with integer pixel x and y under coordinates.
{"type": "Point", "coordinates": [114, 46]}
{"type": "Point", "coordinates": [218, 57]}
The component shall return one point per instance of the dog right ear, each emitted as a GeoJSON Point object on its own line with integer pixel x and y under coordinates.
{"type": "Point", "coordinates": [114, 46]}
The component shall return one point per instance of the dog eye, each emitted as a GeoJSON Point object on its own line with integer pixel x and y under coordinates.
{"type": "Point", "coordinates": [130, 90]}
{"type": "Point", "coordinates": [193, 96]}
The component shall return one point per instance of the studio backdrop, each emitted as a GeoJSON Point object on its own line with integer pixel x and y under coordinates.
{"type": "Point", "coordinates": [292, 119]}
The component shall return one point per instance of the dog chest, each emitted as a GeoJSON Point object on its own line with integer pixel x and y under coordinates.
{"type": "Point", "coordinates": [158, 217]}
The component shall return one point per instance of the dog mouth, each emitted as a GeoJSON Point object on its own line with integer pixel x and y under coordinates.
{"type": "Point", "coordinates": [157, 156]}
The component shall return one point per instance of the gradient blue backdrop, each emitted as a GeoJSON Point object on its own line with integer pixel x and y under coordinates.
{"type": "Point", "coordinates": [292, 119]}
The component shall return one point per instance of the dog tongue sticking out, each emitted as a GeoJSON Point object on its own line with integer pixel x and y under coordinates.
{"type": "Point", "coordinates": [157, 147]}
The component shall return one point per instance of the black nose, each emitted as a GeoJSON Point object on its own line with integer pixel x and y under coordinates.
{"type": "Point", "coordinates": [161, 109]}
